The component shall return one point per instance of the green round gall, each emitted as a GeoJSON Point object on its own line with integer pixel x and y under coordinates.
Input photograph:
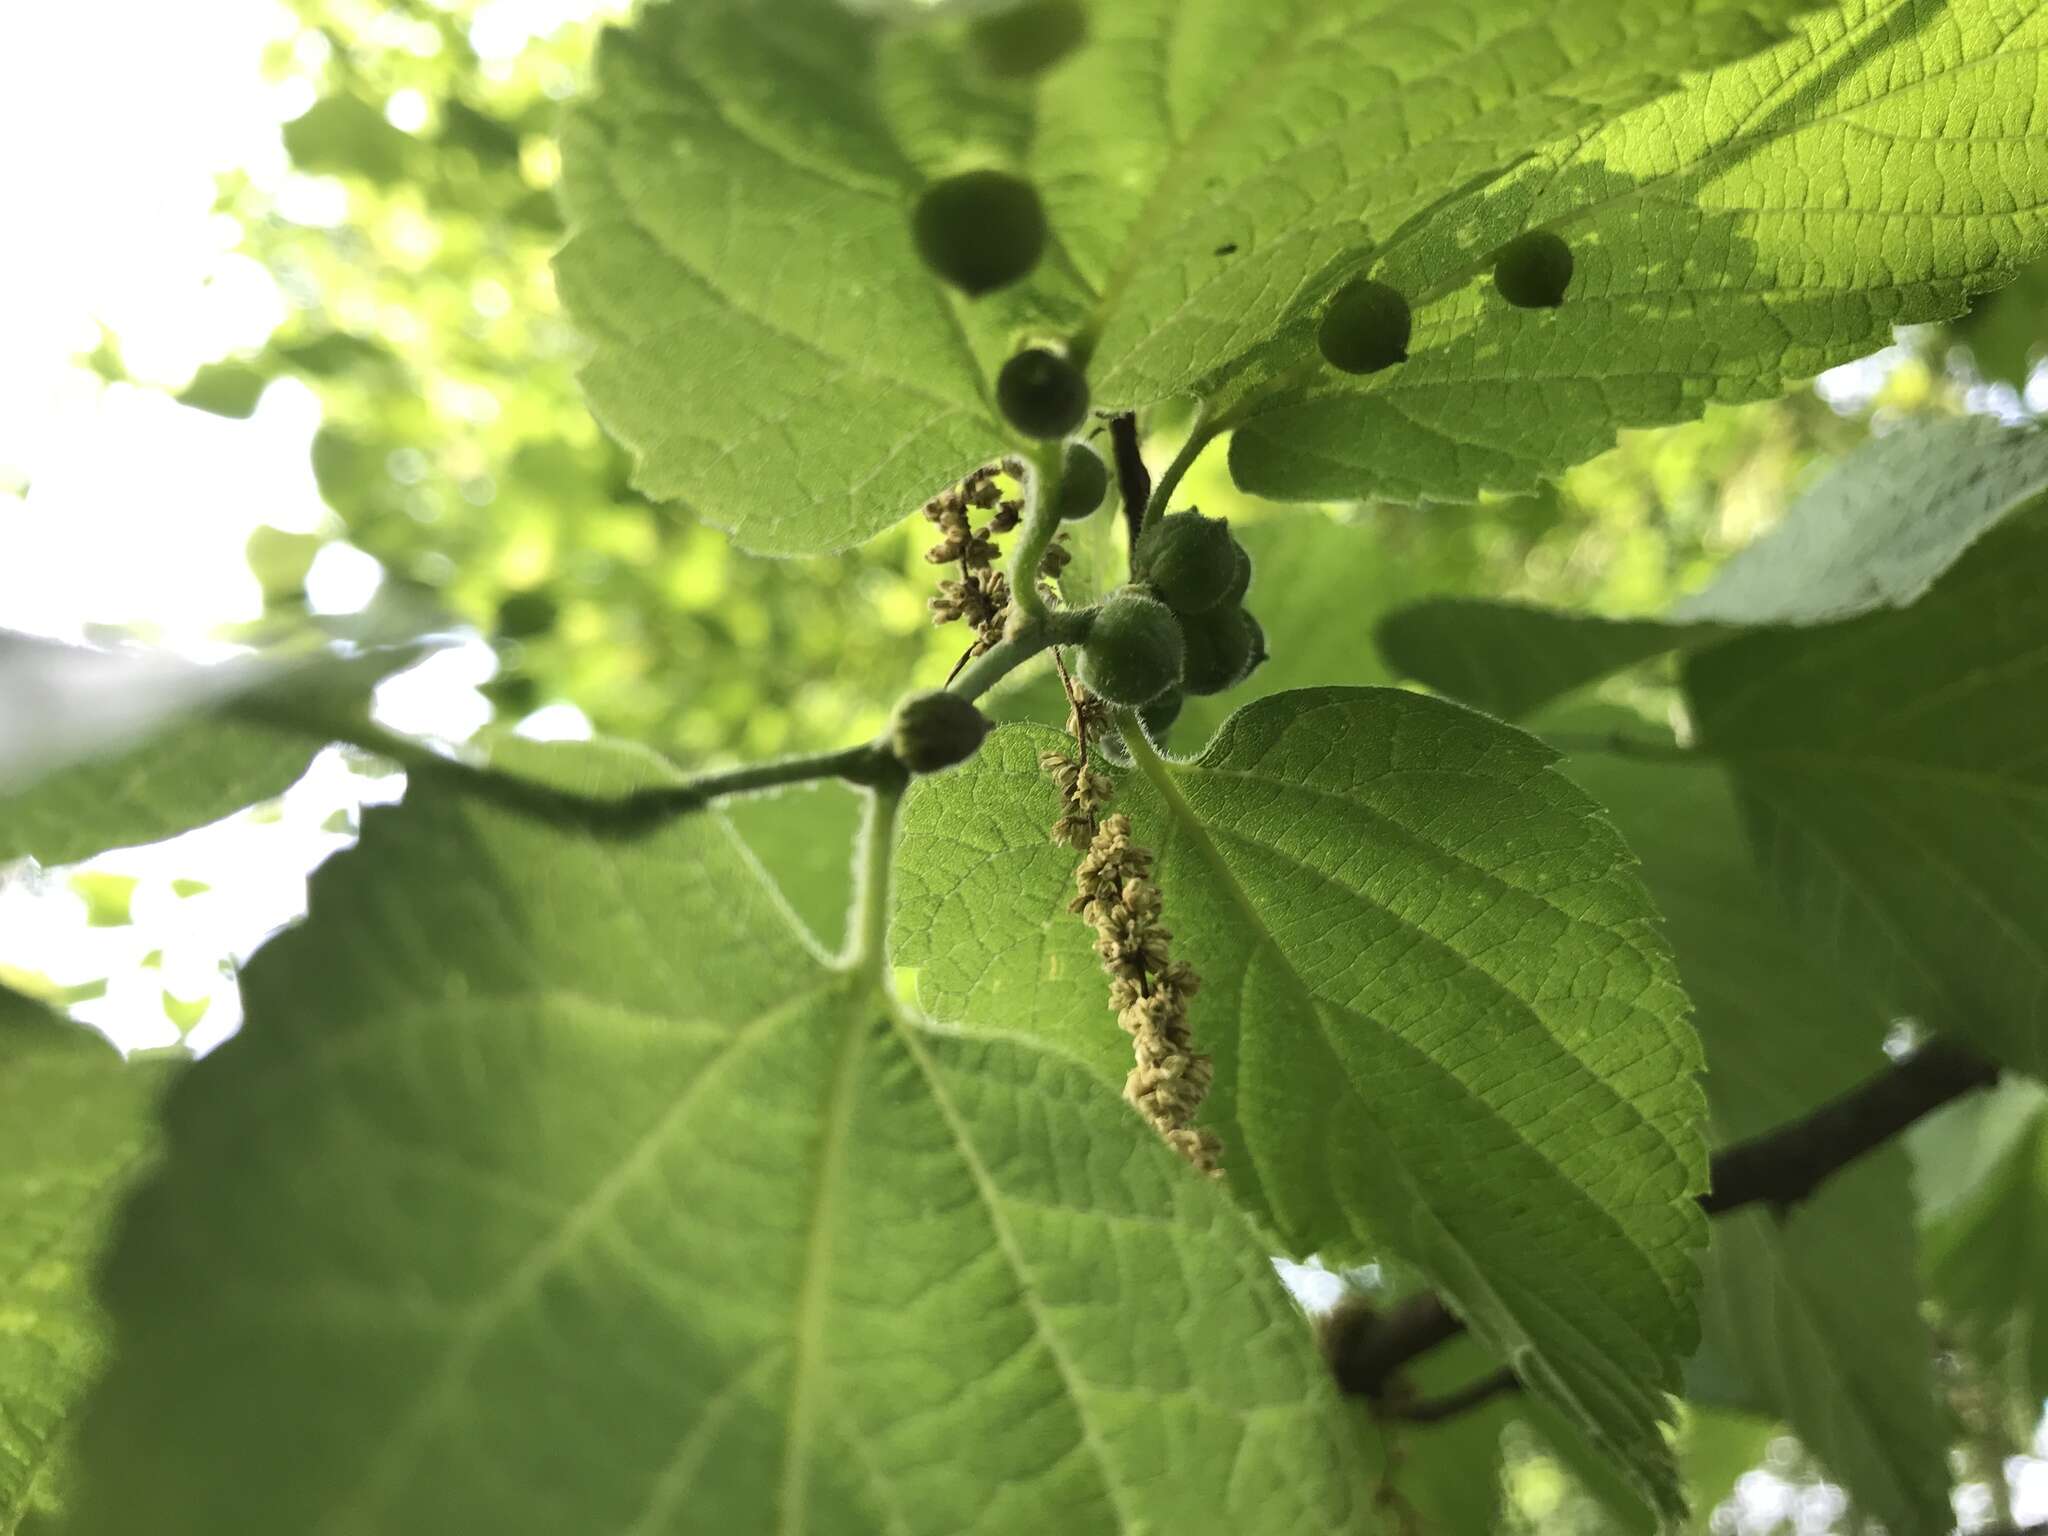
{"type": "Point", "coordinates": [980, 230]}
{"type": "Point", "coordinates": [1259, 651]}
{"type": "Point", "coordinates": [1133, 650]}
{"type": "Point", "coordinates": [1158, 716]}
{"type": "Point", "coordinates": [1365, 327]}
{"type": "Point", "coordinates": [1042, 394]}
{"type": "Point", "coordinates": [1084, 481]}
{"type": "Point", "coordinates": [1533, 269]}
{"type": "Point", "coordinates": [1218, 649]}
{"type": "Point", "coordinates": [1029, 39]}
{"type": "Point", "coordinates": [936, 729]}
{"type": "Point", "coordinates": [1241, 582]}
{"type": "Point", "coordinates": [1189, 559]}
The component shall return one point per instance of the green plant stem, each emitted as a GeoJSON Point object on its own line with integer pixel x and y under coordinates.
{"type": "Point", "coordinates": [870, 763]}
{"type": "Point", "coordinates": [1028, 636]}
{"type": "Point", "coordinates": [1035, 534]}
{"type": "Point", "coordinates": [869, 952]}
{"type": "Point", "coordinates": [1200, 435]}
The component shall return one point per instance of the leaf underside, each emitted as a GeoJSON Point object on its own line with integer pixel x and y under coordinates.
{"type": "Point", "coordinates": [1816, 1312]}
{"type": "Point", "coordinates": [1442, 1021]}
{"type": "Point", "coordinates": [76, 1125]}
{"type": "Point", "coordinates": [740, 186]}
{"type": "Point", "coordinates": [466, 1233]}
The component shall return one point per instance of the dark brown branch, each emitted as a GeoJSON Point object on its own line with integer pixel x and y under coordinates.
{"type": "Point", "coordinates": [1432, 1410]}
{"type": "Point", "coordinates": [1784, 1166]}
{"type": "Point", "coordinates": [1133, 480]}
{"type": "Point", "coordinates": [1779, 1168]}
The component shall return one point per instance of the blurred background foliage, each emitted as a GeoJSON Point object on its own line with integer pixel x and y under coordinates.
{"type": "Point", "coordinates": [454, 448]}
{"type": "Point", "coordinates": [412, 246]}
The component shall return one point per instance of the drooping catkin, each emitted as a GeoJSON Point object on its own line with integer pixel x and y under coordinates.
{"type": "Point", "coordinates": [1148, 988]}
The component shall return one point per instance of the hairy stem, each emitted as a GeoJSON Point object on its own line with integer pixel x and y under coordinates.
{"type": "Point", "coordinates": [626, 815]}
{"type": "Point", "coordinates": [869, 950]}
{"type": "Point", "coordinates": [1779, 1168]}
{"type": "Point", "coordinates": [1035, 533]}
{"type": "Point", "coordinates": [1200, 435]}
{"type": "Point", "coordinates": [1029, 634]}
{"type": "Point", "coordinates": [1133, 480]}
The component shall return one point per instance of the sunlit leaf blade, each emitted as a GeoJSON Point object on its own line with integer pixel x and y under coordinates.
{"type": "Point", "coordinates": [803, 837]}
{"type": "Point", "coordinates": [1893, 773]}
{"type": "Point", "coordinates": [1443, 1022]}
{"type": "Point", "coordinates": [76, 1125]}
{"type": "Point", "coordinates": [107, 749]}
{"type": "Point", "coordinates": [1986, 1254]}
{"type": "Point", "coordinates": [1816, 1310]}
{"type": "Point", "coordinates": [741, 182]}
{"type": "Point", "coordinates": [1875, 533]}
{"type": "Point", "coordinates": [1509, 658]}
{"type": "Point", "coordinates": [768, 343]}
{"type": "Point", "coordinates": [1285, 144]}
{"type": "Point", "coordinates": [1776, 217]}
{"type": "Point", "coordinates": [556, 1184]}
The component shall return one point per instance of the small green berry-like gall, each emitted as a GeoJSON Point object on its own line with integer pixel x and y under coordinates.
{"type": "Point", "coordinates": [1259, 651]}
{"type": "Point", "coordinates": [1158, 716]}
{"type": "Point", "coordinates": [1365, 328]}
{"type": "Point", "coordinates": [1241, 582]}
{"type": "Point", "coordinates": [980, 231]}
{"type": "Point", "coordinates": [1189, 559]}
{"type": "Point", "coordinates": [1133, 652]}
{"type": "Point", "coordinates": [1042, 394]}
{"type": "Point", "coordinates": [935, 730]}
{"type": "Point", "coordinates": [1218, 647]}
{"type": "Point", "coordinates": [1083, 482]}
{"type": "Point", "coordinates": [1533, 269]}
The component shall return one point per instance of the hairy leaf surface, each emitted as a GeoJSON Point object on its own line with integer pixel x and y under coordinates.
{"type": "Point", "coordinates": [1442, 1019]}
{"type": "Point", "coordinates": [1773, 218]}
{"type": "Point", "coordinates": [466, 1232]}
{"type": "Point", "coordinates": [1817, 1310]}
{"type": "Point", "coordinates": [76, 1125]}
{"type": "Point", "coordinates": [742, 180]}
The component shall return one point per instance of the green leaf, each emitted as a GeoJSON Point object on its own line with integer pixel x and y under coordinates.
{"type": "Point", "coordinates": [1987, 1255]}
{"type": "Point", "coordinates": [1817, 1310]}
{"type": "Point", "coordinates": [227, 389]}
{"type": "Point", "coordinates": [767, 341]}
{"type": "Point", "coordinates": [1511, 658]}
{"type": "Point", "coordinates": [346, 136]}
{"type": "Point", "coordinates": [1876, 533]}
{"type": "Point", "coordinates": [1442, 1020]}
{"type": "Point", "coordinates": [76, 1124]}
{"type": "Point", "coordinates": [591, 1199]}
{"type": "Point", "coordinates": [803, 837]}
{"type": "Point", "coordinates": [740, 188]}
{"type": "Point", "coordinates": [1893, 773]}
{"type": "Point", "coordinates": [1773, 218]}
{"type": "Point", "coordinates": [133, 747]}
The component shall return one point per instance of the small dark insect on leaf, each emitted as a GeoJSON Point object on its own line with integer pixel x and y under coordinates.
{"type": "Point", "coordinates": [1228, 248]}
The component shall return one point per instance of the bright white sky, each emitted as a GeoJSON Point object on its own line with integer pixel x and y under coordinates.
{"type": "Point", "coordinates": [119, 506]}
